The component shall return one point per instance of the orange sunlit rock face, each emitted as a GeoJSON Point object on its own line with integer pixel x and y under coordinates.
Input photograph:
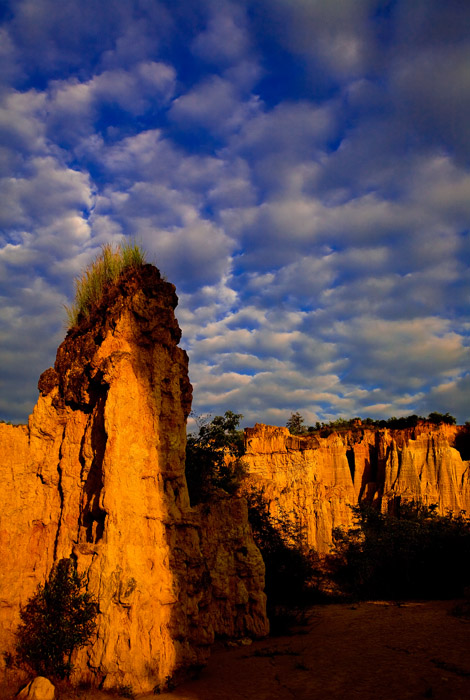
{"type": "Point", "coordinates": [99, 475]}
{"type": "Point", "coordinates": [316, 479]}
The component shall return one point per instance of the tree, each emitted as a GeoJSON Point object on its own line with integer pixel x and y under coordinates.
{"type": "Point", "coordinates": [438, 418]}
{"type": "Point", "coordinates": [214, 457]}
{"type": "Point", "coordinates": [290, 564]}
{"type": "Point", "coordinates": [411, 553]}
{"type": "Point", "coordinates": [295, 424]}
{"type": "Point", "coordinates": [59, 618]}
{"type": "Point", "coordinates": [214, 460]}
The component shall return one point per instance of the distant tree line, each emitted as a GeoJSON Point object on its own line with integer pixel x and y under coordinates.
{"type": "Point", "coordinates": [296, 423]}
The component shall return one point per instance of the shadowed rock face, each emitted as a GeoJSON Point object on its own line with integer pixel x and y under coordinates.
{"type": "Point", "coordinates": [317, 479]}
{"type": "Point", "coordinates": [99, 475]}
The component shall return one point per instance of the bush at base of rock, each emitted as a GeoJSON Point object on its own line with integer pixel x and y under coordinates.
{"type": "Point", "coordinates": [411, 553]}
{"type": "Point", "coordinates": [291, 566]}
{"type": "Point", "coordinates": [58, 619]}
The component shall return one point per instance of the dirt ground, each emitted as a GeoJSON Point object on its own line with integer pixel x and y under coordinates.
{"type": "Point", "coordinates": [379, 651]}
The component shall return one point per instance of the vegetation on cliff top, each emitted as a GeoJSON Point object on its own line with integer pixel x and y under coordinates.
{"type": "Point", "coordinates": [296, 423]}
{"type": "Point", "coordinates": [99, 274]}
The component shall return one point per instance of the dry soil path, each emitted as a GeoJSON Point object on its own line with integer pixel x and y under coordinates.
{"type": "Point", "coordinates": [384, 652]}
{"type": "Point", "coordinates": [368, 651]}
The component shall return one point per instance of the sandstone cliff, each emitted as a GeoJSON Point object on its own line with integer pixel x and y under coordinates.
{"type": "Point", "coordinates": [98, 474]}
{"type": "Point", "coordinates": [315, 479]}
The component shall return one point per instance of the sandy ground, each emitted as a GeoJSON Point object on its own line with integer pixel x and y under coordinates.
{"type": "Point", "coordinates": [369, 650]}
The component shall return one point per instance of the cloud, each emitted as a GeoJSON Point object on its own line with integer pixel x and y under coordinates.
{"type": "Point", "coordinates": [434, 97]}
{"type": "Point", "coordinates": [29, 312]}
{"type": "Point", "coordinates": [157, 196]}
{"type": "Point", "coordinates": [50, 189]}
{"type": "Point", "coordinates": [224, 40]}
{"type": "Point", "coordinates": [299, 132]}
{"type": "Point", "coordinates": [197, 255]}
{"type": "Point", "coordinates": [76, 107]}
{"type": "Point", "coordinates": [334, 38]}
{"type": "Point", "coordinates": [215, 104]}
{"type": "Point", "coordinates": [9, 59]}
{"type": "Point", "coordinates": [22, 126]}
{"type": "Point", "coordinates": [74, 36]}
{"type": "Point", "coordinates": [451, 396]}
{"type": "Point", "coordinates": [406, 352]}
{"type": "Point", "coordinates": [299, 170]}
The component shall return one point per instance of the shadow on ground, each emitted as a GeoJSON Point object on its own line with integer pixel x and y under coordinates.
{"type": "Point", "coordinates": [379, 651]}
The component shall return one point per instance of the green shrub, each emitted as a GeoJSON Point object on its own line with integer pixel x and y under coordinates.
{"type": "Point", "coordinates": [214, 457]}
{"type": "Point", "coordinates": [102, 272]}
{"type": "Point", "coordinates": [168, 685]}
{"type": "Point", "coordinates": [412, 553]}
{"type": "Point", "coordinates": [289, 563]}
{"type": "Point", "coordinates": [392, 423]}
{"type": "Point", "coordinates": [58, 619]}
{"type": "Point", "coordinates": [439, 418]}
{"type": "Point", "coordinates": [295, 424]}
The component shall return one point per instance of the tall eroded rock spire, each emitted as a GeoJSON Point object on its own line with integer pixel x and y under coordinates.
{"type": "Point", "coordinates": [99, 475]}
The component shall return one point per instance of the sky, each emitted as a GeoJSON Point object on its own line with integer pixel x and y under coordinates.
{"type": "Point", "coordinates": [299, 169]}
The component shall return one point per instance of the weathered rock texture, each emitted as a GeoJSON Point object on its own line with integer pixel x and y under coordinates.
{"type": "Point", "coordinates": [38, 689]}
{"type": "Point", "coordinates": [315, 480]}
{"type": "Point", "coordinates": [98, 474]}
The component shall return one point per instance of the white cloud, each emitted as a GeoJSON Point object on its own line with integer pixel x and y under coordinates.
{"type": "Point", "coordinates": [434, 93]}
{"type": "Point", "coordinates": [22, 125]}
{"type": "Point", "coordinates": [76, 36]}
{"type": "Point", "coordinates": [196, 255]}
{"type": "Point", "coordinates": [9, 59]}
{"type": "Point", "coordinates": [334, 37]}
{"type": "Point", "coordinates": [225, 39]}
{"type": "Point", "coordinates": [403, 353]}
{"type": "Point", "coordinates": [49, 190]}
{"type": "Point", "coordinates": [74, 105]}
{"type": "Point", "coordinates": [214, 104]}
{"type": "Point", "coordinates": [450, 397]}
{"type": "Point", "coordinates": [296, 131]}
{"type": "Point", "coordinates": [304, 182]}
{"type": "Point", "coordinates": [29, 312]}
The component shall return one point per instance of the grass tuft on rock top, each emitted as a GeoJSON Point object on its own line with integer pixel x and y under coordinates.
{"type": "Point", "coordinates": [103, 271]}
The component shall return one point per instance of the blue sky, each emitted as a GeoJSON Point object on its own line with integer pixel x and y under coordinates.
{"type": "Point", "coordinates": [299, 169]}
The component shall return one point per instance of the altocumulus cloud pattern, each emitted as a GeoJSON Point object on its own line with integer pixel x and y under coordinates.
{"type": "Point", "coordinates": [298, 168]}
